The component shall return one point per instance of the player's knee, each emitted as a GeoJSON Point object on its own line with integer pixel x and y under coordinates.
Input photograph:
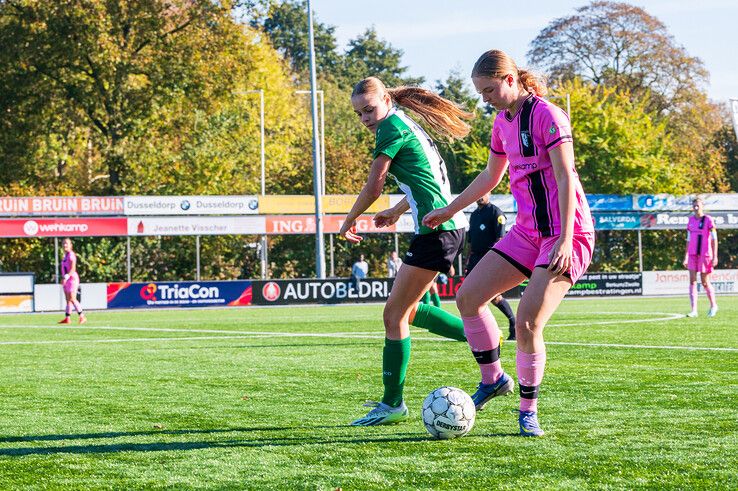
{"type": "Point", "coordinates": [525, 328]}
{"type": "Point", "coordinates": [467, 303]}
{"type": "Point", "coordinates": [392, 317]}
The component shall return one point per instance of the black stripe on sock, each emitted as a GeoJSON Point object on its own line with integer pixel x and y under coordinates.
{"type": "Point", "coordinates": [528, 391]}
{"type": "Point", "coordinates": [487, 357]}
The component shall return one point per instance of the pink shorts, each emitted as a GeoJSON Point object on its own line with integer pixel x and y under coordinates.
{"type": "Point", "coordinates": [72, 284]}
{"type": "Point", "coordinates": [699, 263]}
{"type": "Point", "coordinates": [526, 252]}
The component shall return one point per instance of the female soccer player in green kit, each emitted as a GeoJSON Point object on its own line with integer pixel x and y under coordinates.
{"type": "Point", "coordinates": [405, 151]}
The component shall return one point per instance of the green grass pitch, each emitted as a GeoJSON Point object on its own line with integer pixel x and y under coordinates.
{"type": "Point", "coordinates": [635, 397]}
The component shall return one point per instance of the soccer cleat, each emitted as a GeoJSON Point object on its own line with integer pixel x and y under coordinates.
{"type": "Point", "coordinates": [82, 318]}
{"type": "Point", "coordinates": [382, 414]}
{"type": "Point", "coordinates": [693, 314]}
{"type": "Point", "coordinates": [529, 426]}
{"type": "Point", "coordinates": [485, 392]}
{"type": "Point", "coordinates": [712, 311]}
{"type": "Point", "coordinates": [511, 336]}
{"type": "Point", "coordinates": [65, 320]}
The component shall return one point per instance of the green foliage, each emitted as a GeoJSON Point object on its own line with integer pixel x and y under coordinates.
{"type": "Point", "coordinates": [466, 158]}
{"type": "Point", "coordinates": [619, 146]}
{"type": "Point", "coordinates": [285, 24]}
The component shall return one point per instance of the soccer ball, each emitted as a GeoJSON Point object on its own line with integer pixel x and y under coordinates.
{"type": "Point", "coordinates": [448, 412]}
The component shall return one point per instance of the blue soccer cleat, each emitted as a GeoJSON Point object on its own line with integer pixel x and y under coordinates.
{"type": "Point", "coordinates": [485, 392]}
{"type": "Point", "coordinates": [529, 426]}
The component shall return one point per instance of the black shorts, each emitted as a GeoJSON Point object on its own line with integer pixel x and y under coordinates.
{"type": "Point", "coordinates": [435, 251]}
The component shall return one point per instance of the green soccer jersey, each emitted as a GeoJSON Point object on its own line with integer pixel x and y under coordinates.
{"type": "Point", "coordinates": [417, 167]}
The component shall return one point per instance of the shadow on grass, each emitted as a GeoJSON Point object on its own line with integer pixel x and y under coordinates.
{"type": "Point", "coordinates": [243, 442]}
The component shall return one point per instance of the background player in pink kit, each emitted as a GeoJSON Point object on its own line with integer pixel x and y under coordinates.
{"type": "Point", "coordinates": [552, 239]}
{"type": "Point", "coordinates": [70, 283]}
{"type": "Point", "coordinates": [701, 256]}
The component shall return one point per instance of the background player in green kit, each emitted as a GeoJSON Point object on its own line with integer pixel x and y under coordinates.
{"type": "Point", "coordinates": [406, 152]}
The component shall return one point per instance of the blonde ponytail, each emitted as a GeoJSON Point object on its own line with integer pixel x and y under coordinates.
{"type": "Point", "coordinates": [445, 118]}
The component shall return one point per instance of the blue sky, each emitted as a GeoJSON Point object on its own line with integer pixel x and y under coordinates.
{"type": "Point", "coordinates": [440, 35]}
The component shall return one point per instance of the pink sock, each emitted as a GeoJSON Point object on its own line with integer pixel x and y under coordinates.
{"type": "Point", "coordinates": [710, 292]}
{"type": "Point", "coordinates": [530, 374]}
{"type": "Point", "coordinates": [77, 306]}
{"type": "Point", "coordinates": [483, 337]}
{"type": "Point", "coordinates": [693, 296]}
{"type": "Point", "coordinates": [68, 310]}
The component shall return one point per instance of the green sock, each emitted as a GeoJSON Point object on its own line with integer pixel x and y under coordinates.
{"type": "Point", "coordinates": [395, 358]}
{"type": "Point", "coordinates": [425, 300]}
{"type": "Point", "coordinates": [440, 322]}
{"type": "Point", "coordinates": [436, 300]}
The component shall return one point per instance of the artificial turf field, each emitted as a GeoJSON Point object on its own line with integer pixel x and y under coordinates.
{"type": "Point", "coordinates": [635, 397]}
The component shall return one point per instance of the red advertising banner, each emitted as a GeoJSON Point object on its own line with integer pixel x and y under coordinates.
{"type": "Point", "coordinates": [61, 205]}
{"type": "Point", "coordinates": [305, 224]}
{"type": "Point", "coordinates": [64, 227]}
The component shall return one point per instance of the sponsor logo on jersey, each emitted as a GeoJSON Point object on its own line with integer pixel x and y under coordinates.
{"type": "Point", "coordinates": [552, 130]}
{"type": "Point", "coordinates": [525, 136]}
{"type": "Point", "coordinates": [528, 166]}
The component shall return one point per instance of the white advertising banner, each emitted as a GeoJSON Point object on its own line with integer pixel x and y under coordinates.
{"type": "Point", "coordinates": [503, 201]}
{"type": "Point", "coordinates": [250, 225]}
{"type": "Point", "coordinates": [190, 205]}
{"type": "Point", "coordinates": [677, 282]}
{"type": "Point", "coordinates": [669, 202]}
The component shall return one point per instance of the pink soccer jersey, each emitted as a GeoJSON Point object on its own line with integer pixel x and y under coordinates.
{"type": "Point", "coordinates": [699, 235]}
{"type": "Point", "coordinates": [67, 264]}
{"type": "Point", "coordinates": [525, 139]}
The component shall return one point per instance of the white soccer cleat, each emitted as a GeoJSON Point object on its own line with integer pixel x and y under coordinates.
{"type": "Point", "coordinates": [712, 311]}
{"type": "Point", "coordinates": [692, 314]}
{"type": "Point", "coordinates": [382, 414]}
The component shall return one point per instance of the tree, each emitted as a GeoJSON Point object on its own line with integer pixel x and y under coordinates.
{"type": "Point", "coordinates": [285, 23]}
{"type": "Point", "coordinates": [619, 144]}
{"type": "Point", "coordinates": [106, 63]}
{"type": "Point", "coordinates": [368, 55]}
{"type": "Point", "coordinates": [617, 44]}
{"type": "Point", "coordinates": [621, 47]}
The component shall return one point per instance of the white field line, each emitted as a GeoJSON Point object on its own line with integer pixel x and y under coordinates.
{"type": "Point", "coordinates": [229, 334]}
{"type": "Point", "coordinates": [263, 335]}
{"type": "Point", "coordinates": [640, 346]}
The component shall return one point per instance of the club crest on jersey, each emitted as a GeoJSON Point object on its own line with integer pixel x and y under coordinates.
{"type": "Point", "coordinates": [552, 130]}
{"type": "Point", "coordinates": [525, 136]}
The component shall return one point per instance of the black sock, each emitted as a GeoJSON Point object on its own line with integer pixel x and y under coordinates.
{"type": "Point", "coordinates": [507, 310]}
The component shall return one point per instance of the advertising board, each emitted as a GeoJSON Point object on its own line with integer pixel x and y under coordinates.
{"type": "Point", "coordinates": [179, 294]}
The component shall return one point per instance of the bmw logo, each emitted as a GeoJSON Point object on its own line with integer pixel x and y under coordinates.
{"type": "Point", "coordinates": [253, 204]}
{"type": "Point", "coordinates": [185, 205]}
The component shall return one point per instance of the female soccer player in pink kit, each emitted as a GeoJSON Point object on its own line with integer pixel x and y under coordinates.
{"type": "Point", "coordinates": [552, 239]}
{"type": "Point", "coordinates": [701, 256]}
{"type": "Point", "coordinates": [70, 283]}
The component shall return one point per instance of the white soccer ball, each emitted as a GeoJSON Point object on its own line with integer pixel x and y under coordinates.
{"type": "Point", "coordinates": [448, 412]}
